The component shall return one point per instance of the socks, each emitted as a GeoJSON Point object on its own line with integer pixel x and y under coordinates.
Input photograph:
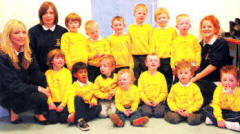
{"type": "Point", "coordinates": [232, 125]}
{"type": "Point", "coordinates": [208, 121]}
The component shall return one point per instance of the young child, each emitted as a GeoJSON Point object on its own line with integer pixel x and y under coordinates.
{"type": "Point", "coordinates": [127, 99]}
{"type": "Point", "coordinates": [82, 103]}
{"type": "Point", "coordinates": [59, 81]}
{"type": "Point", "coordinates": [120, 41]}
{"type": "Point", "coordinates": [105, 84]}
{"type": "Point", "coordinates": [72, 42]}
{"type": "Point", "coordinates": [185, 46]}
{"type": "Point", "coordinates": [185, 98]}
{"type": "Point", "coordinates": [161, 42]}
{"type": "Point", "coordinates": [140, 34]}
{"type": "Point", "coordinates": [224, 111]}
{"type": "Point", "coordinates": [97, 47]}
{"type": "Point", "coordinates": [153, 88]}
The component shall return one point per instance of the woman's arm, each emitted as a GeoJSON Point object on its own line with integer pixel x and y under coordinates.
{"type": "Point", "coordinates": [206, 71]}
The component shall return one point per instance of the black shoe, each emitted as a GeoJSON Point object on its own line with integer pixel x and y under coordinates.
{"type": "Point", "coordinates": [82, 125]}
{"type": "Point", "coordinates": [44, 122]}
{"type": "Point", "coordinates": [17, 121]}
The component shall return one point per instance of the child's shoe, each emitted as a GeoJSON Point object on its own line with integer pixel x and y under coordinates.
{"type": "Point", "coordinates": [208, 121]}
{"type": "Point", "coordinates": [82, 125]}
{"type": "Point", "coordinates": [116, 120]}
{"type": "Point", "coordinates": [139, 122]}
{"type": "Point", "coordinates": [232, 125]}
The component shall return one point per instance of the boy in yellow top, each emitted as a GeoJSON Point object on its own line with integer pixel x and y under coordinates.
{"type": "Point", "coordinates": [59, 80]}
{"type": "Point", "coordinates": [97, 47]}
{"type": "Point", "coordinates": [105, 84]}
{"type": "Point", "coordinates": [161, 42]}
{"type": "Point", "coordinates": [185, 46]}
{"type": "Point", "coordinates": [73, 44]}
{"type": "Point", "coordinates": [82, 104]}
{"type": "Point", "coordinates": [140, 34]}
{"type": "Point", "coordinates": [127, 99]}
{"type": "Point", "coordinates": [224, 111]}
{"type": "Point", "coordinates": [120, 45]}
{"type": "Point", "coordinates": [185, 98]}
{"type": "Point", "coordinates": [153, 88]}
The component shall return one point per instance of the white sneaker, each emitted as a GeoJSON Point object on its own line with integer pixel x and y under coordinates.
{"type": "Point", "coordinates": [208, 121]}
{"type": "Point", "coordinates": [232, 125]}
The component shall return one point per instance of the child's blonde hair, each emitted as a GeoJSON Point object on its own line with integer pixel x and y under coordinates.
{"type": "Point", "coordinates": [141, 5]}
{"type": "Point", "coordinates": [89, 24]}
{"type": "Point", "coordinates": [118, 18]}
{"type": "Point", "coordinates": [185, 64]}
{"type": "Point", "coordinates": [230, 69]}
{"type": "Point", "coordinates": [73, 17]}
{"type": "Point", "coordinates": [55, 52]}
{"type": "Point", "coordinates": [109, 59]}
{"type": "Point", "coordinates": [152, 54]}
{"type": "Point", "coordinates": [181, 16]}
{"type": "Point", "coordinates": [122, 71]}
{"type": "Point", "coordinates": [160, 11]}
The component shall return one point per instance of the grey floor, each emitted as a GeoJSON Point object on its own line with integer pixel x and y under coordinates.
{"type": "Point", "coordinates": [104, 126]}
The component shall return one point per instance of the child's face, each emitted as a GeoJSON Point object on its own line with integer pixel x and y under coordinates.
{"type": "Point", "coordinates": [73, 25]}
{"type": "Point", "coordinates": [48, 17]}
{"type": "Point", "coordinates": [58, 62]}
{"type": "Point", "coordinates": [207, 29]}
{"type": "Point", "coordinates": [162, 20]}
{"type": "Point", "coordinates": [82, 75]}
{"type": "Point", "coordinates": [106, 68]}
{"type": "Point", "coordinates": [124, 80]}
{"type": "Point", "coordinates": [118, 26]}
{"type": "Point", "coordinates": [183, 26]}
{"type": "Point", "coordinates": [229, 81]}
{"type": "Point", "coordinates": [93, 33]}
{"type": "Point", "coordinates": [152, 62]}
{"type": "Point", "coordinates": [140, 15]}
{"type": "Point", "coordinates": [184, 75]}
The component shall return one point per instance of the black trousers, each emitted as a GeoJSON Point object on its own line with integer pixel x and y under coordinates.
{"type": "Point", "coordinates": [93, 72]}
{"type": "Point", "coordinates": [166, 70]}
{"type": "Point", "coordinates": [139, 66]}
{"type": "Point", "coordinates": [55, 117]}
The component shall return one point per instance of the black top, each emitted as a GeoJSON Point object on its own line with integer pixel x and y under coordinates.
{"type": "Point", "coordinates": [42, 42]}
{"type": "Point", "coordinates": [217, 55]}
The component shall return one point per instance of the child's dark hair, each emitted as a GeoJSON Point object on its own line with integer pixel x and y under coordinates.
{"type": "Point", "coordinates": [77, 66]}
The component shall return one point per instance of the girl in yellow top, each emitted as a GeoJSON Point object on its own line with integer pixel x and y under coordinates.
{"type": "Point", "coordinates": [185, 98]}
{"type": "Point", "coordinates": [59, 80]}
{"type": "Point", "coordinates": [73, 44]}
{"type": "Point", "coordinates": [153, 88]}
{"type": "Point", "coordinates": [224, 111]}
{"type": "Point", "coordinates": [127, 99]}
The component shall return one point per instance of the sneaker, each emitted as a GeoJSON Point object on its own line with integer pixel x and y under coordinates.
{"type": "Point", "coordinates": [232, 125]}
{"type": "Point", "coordinates": [82, 125]}
{"type": "Point", "coordinates": [139, 122]}
{"type": "Point", "coordinates": [208, 121]}
{"type": "Point", "coordinates": [116, 120]}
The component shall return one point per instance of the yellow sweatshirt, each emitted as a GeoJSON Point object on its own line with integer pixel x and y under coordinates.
{"type": "Point", "coordinates": [140, 38]}
{"type": "Point", "coordinates": [187, 98]}
{"type": "Point", "coordinates": [127, 98]}
{"type": "Point", "coordinates": [222, 100]}
{"type": "Point", "coordinates": [153, 87]}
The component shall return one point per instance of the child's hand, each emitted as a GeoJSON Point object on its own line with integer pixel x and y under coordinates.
{"type": "Point", "coordinates": [174, 71]}
{"type": "Point", "coordinates": [126, 112]}
{"type": "Point", "coordinates": [221, 124]}
{"type": "Point", "coordinates": [148, 103]}
{"type": "Point", "coordinates": [180, 111]}
{"type": "Point", "coordinates": [185, 114]}
{"type": "Point", "coordinates": [130, 111]}
{"type": "Point", "coordinates": [59, 108]}
{"type": "Point", "coordinates": [71, 117]}
{"type": "Point", "coordinates": [110, 96]}
{"type": "Point", "coordinates": [196, 68]}
{"type": "Point", "coordinates": [70, 68]}
{"type": "Point", "coordinates": [52, 106]}
{"type": "Point", "coordinates": [92, 104]}
{"type": "Point", "coordinates": [154, 104]}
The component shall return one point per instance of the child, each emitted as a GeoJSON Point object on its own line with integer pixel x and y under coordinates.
{"type": "Point", "coordinates": [120, 41]}
{"type": "Point", "coordinates": [140, 34]}
{"type": "Point", "coordinates": [97, 47]}
{"type": "Point", "coordinates": [82, 103]}
{"type": "Point", "coordinates": [224, 111]}
{"type": "Point", "coordinates": [153, 88]}
{"type": "Point", "coordinates": [72, 42]}
{"type": "Point", "coordinates": [59, 81]}
{"type": "Point", "coordinates": [185, 98]}
{"type": "Point", "coordinates": [127, 99]}
{"type": "Point", "coordinates": [105, 84]}
{"type": "Point", "coordinates": [161, 42]}
{"type": "Point", "coordinates": [185, 46]}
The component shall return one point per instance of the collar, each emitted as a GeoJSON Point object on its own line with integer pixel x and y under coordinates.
{"type": "Point", "coordinates": [140, 24]}
{"type": "Point", "coordinates": [214, 38]}
{"type": "Point", "coordinates": [99, 38]}
{"type": "Point", "coordinates": [52, 28]}
{"type": "Point", "coordinates": [229, 90]}
{"type": "Point", "coordinates": [105, 77]}
{"type": "Point", "coordinates": [21, 50]}
{"type": "Point", "coordinates": [166, 27]}
{"type": "Point", "coordinates": [82, 84]}
{"type": "Point", "coordinates": [186, 85]}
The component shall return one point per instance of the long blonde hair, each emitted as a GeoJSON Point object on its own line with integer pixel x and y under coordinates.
{"type": "Point", "coordinates": [6, 46]}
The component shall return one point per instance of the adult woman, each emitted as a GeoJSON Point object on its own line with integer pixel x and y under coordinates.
{"type": "Point", "coordinates": [45, 36]}
{"type": "Point", "coordinates": [19, 87]}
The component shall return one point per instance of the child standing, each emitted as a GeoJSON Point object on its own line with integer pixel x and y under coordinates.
{"type": "Point", "coordinates": [82, 103]}
{"type": "Point", "coordinates": [120, 41]}
{"type": "Point", "coordinates": [161, 42]}
{"type": "Point", "coordinates": [97, 47]}
{"type": "Point", "coordinates": [153, 88]}
{"type": "Point", "coordinates": [185, 98]}
{"type": "Point", "coordinates": [59, 81]}
{"type": "Point", "coordinates": [72, 42]}
{"type": "Point", "coordinates": [140, 34]}
{"type": "Point", "coordinates": [127, 99]}
{"type": "Point", "coordinates": [105, 84]}
{"type": "Point", "coordinates": [224, 111]}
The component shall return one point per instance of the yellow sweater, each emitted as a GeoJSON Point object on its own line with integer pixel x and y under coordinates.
{"type": "Point", "coordinates": [187, 48]}
{"type": "Point", "coordinates": [60, 84]}
{"type": "Point", "coordinates": [97, 47]}
{"type": "Point", "coordinates": [187, 98]}
{"type": "Point", "coordinates": [161, 41]}
{"type": "Point", "coordinates": [225, 101]}
{"type": "Point", "coordinates": [127, 98]}
{"type": "Point", "coordinates": [74, 47]}
{"type": "Point", "coordinates": [83, 90]}
{"type": "Point", "coordinates": [104, 86]}
{"type": "Point", "coordinates": [153, 87]}
{"type": "Point", "coordinates": [140, 38]}
{"type": "Point", "coordinates": [120, 48]}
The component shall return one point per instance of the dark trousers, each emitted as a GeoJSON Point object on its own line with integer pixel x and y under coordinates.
{"type": "Point", "coordinates": [120, 68]}
{"type": "Point", "coordinates": [55, 117]}
{"type": "Point", "coordinates": [166, 70]}
{"type": "Point", "coordinates": [139, 66]}
{"type": "Point", "coordinates": [82, 110]}
{"type": "Point", "coordinates": [149, 111]}
{"type": "Point", "coordinates": [93, 72]}
{"type": "Point", "coordinates": [132, 117]}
